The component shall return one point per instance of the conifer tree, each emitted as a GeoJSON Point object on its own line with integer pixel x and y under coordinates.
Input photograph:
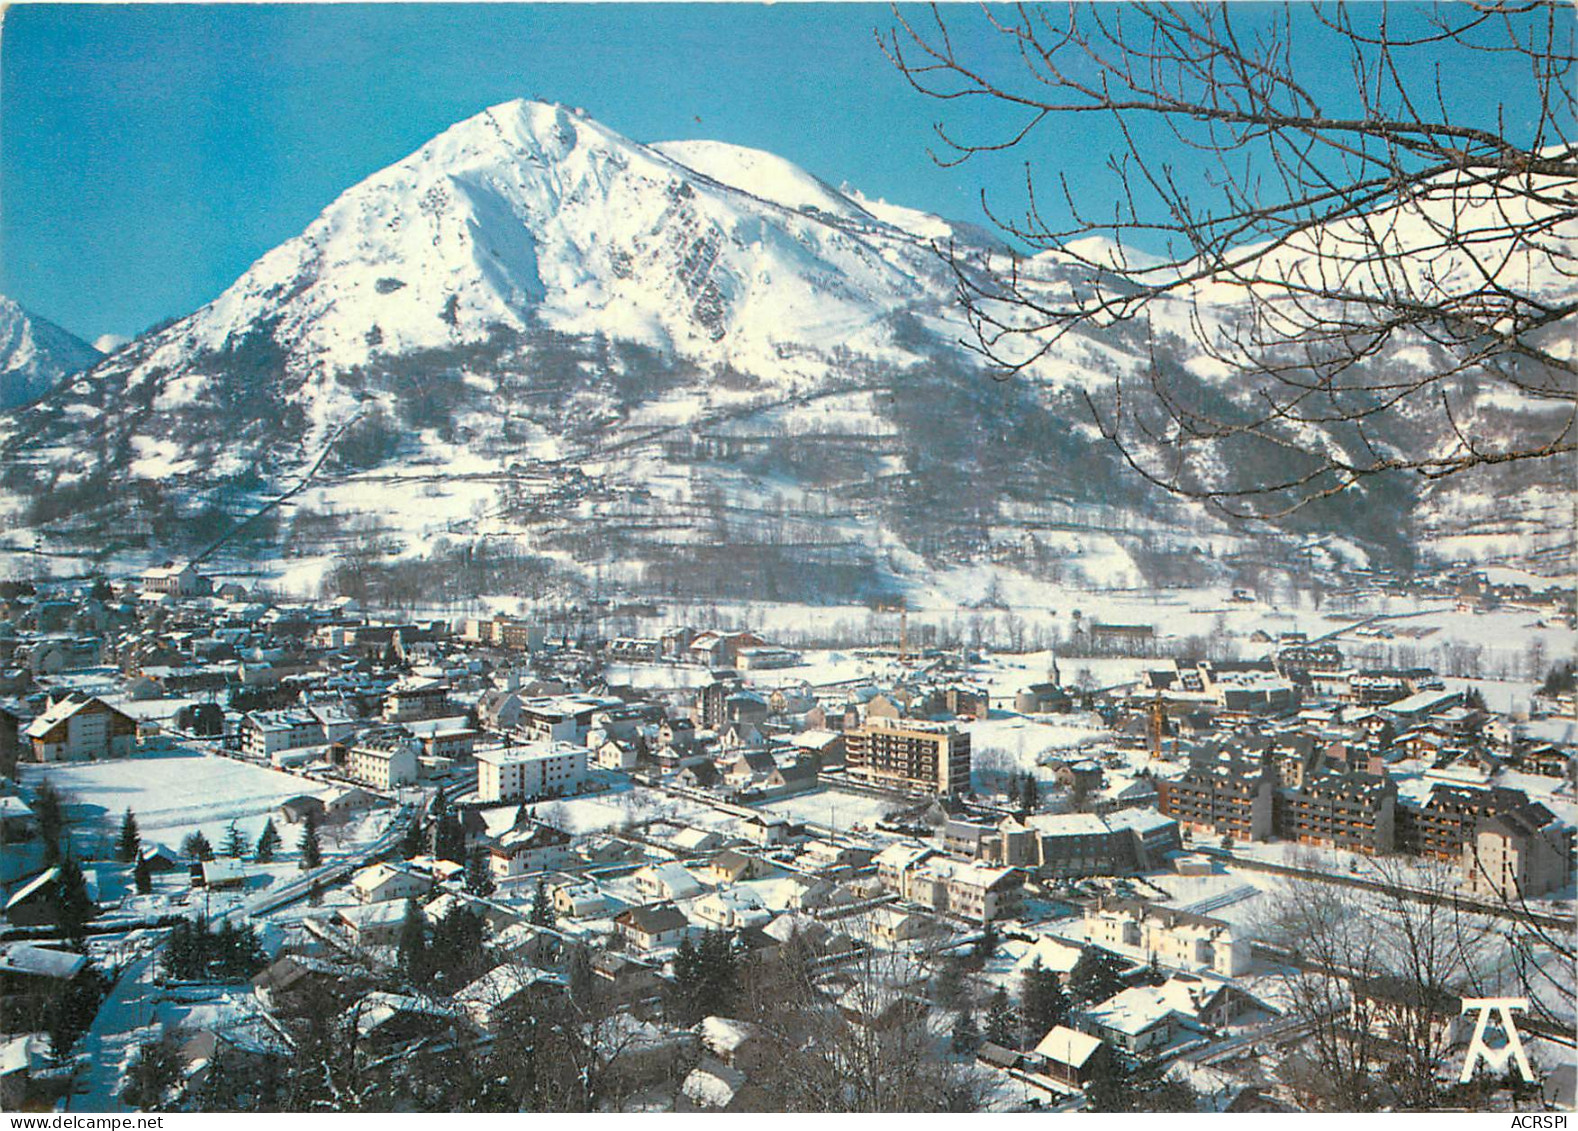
{"type": "Point", "coordinates": [268, 843]}
{"type": "Point", "coordinates": [130, 843]}
{"type": "Point", "coordinates": [1096, 976]}
{"type": "Point", "coordinates": [542, 912]}
{"type": "Point", "coordinates": [1000, 1019]}
{"type": "Point", "coordinates": [142, 876]}
{"type": "Point", "coordinates": [413, 945]}
{"type": "Point", "coordinates": [966, 1034]}
{"type": "Point", "coordinates": [311, 850]}
{"type": "Point", "coordinates": [479, 876]}
{"type": "Point", "coordinates": [196, 847]}
{"type": "Point", "coordinates": [73, 908]}
{"type": "Point", "coordinates": [235, 843]}
{"type": "Point", "coordinates": [50, 810]}
{"type": "Point", "coordinates": [1043, 1005]}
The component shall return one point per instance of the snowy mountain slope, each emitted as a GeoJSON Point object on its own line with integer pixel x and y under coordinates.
{"type": "Point", "coordinates": [35, 354]}
{"type": "Point", "coordinates": [610, 356]}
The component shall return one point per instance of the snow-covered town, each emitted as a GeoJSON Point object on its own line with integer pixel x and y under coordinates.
{"type": "Point", "coordinates": [263, 853]}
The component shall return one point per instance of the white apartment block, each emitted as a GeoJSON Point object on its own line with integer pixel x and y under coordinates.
{"type": "Point", "coordinates": [524, 772]}
{"type": "Point", "coordinates": [384, 760]}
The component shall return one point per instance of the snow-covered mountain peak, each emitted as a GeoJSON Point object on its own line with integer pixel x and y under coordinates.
{"type": "Point", "coordinates": [35, 354]}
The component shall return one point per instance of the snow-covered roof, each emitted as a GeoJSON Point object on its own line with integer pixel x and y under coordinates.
{"type": "Point", "coordinates": [32, 887]}
{"type": "Point", "coordinates": [723, 1035]}
{"type": "Point", "coordinates": [1068, 1046]}
{"type": "Point", "coordinates": [712, 1085]}
{"type": "Point", "coordinates": [40, 961]}
{"type": "Point", "coordinates": [1054, 956]}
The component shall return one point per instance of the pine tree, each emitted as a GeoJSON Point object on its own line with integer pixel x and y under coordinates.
{"type": "Point", "coordinates": [130, 843]}
{"type": "Point", "coordinates": [311, 850]}
{"type": "Point", "coordinates": [1029, 794]}
{"type": "Point", "coordinates": [152, 1075]}
{"type": "Point", "coordinates": [1043, 1005]}
{"type": "Point", "coordinates": [966, 1034]}
{"type": "Point", "coordinates": [268, 843]}
{"type": "Point", "coordinates": [70, 1011]}
{"type": "Point", "coordinates": [687, 982]}
{"type": "Point", "coordinates": [73, 908]}
{"type": "Point", "coordinates": [449, 838]}
{"type": "Point", "coordinates": [583, 983]}
{"type": "Point", "coordinates": [235, 843]}
{"type": "Point", "coordinates": [196, 847]}
{"type": "Point", "coordinates": [414, 966]}
{"type": "Point", "coordinates": [411, 840]}
{"type": "Point", "coordinates": [985, 946]}
{"type": "Point", "coordinates": [479, 876]}
{"type": "Point", "coordinates": [1000, 1019]}
{"type": "Point", "coordinates": [49, 808]}
{"type": "Point", "coordinates": [542, 913]}
{"type": "Point", "coordinates": [142, 876]}
{"type": "Point", "coordinates": [1096, 976]}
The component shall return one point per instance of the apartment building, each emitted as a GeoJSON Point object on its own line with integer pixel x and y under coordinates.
{"type": "Point", "coordinates": [412, 700]}
{"type": "Point", "coordinates": [1352, 811]}
{"type": "Point", "coordinates": [909, 755]}
{"type": "Point", "coordinates": [1517, 854]}
{"type": "Point", "coordinates": [1222, 794]}
{"type": "Point", "coordinates": [77, 727]}
{"type": "Point", "coordinates": [550, 769]}
{"type": "Point", "coordinates": [385, 759]}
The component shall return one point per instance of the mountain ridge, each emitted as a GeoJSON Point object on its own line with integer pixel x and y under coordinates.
{"type": "Point", "coordinates": [531, 298]}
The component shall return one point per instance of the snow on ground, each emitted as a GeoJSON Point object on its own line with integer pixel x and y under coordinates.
{"type": "Point", "coordinates": [834, 808]}
{"type": "Point", "coordinates": [172, 795]}
{"type": "Point", "coordinates": [626, 807]}
{"type": "Point", "coordinates": [1019, 742]}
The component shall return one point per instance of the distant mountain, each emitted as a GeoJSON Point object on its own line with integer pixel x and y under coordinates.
{"type": "Point", "coordinates": [550, 350]}
{"type": "Point", "coordinates": [35, 354]}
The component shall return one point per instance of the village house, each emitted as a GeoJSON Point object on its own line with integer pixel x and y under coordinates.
{"type": "Point", "coordinates": [381, 882]}
{"type": "Point", "coordinates": [529, 848]}
{"type": "Point", "coordinates": [671, 881]}
{"type": "Point", "coordinates": [177, 579]}
{"type": "Point", "coordinates": [648, 929]}
{"type": "Point", "coordinates": [1178, 938]}
{"type": "Point", "coordinates": [1069, 1056]}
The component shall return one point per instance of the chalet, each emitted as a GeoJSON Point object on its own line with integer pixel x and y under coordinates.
{"type": "Point", "coordinates": [79, 727]}
{"type": "Point", "coordinates": [292, 978]}
{"type": "Point", "coordinates": [297, 809]}
{"type": "Point", "coordinates": [796, 777]}
{"type": "Point", "coordinates": [579, 899]}
{"type": "Point", "coordinates": [382, 882]}
{"type": "Point", "coordinates": [1069, 1056]}
{"type": "Point", "coordinates": [731, 866]}
{"type": "Point", "coordinates": [652, 928]}
{"type": "Point", "coordinates": [372, 924]}
{"type": "Point", "coordinates": [669, 881]}
{"type": "Point", "coordinates": [529, 848]}
{"type": "Point", "coordinates": [35, 903]}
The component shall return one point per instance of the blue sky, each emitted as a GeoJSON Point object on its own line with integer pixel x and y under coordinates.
{"type": "Point", "coordinates": [150, 153]}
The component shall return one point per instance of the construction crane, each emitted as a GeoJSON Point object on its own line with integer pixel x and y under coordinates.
{"type": "Point", "coordinates": [1156, 719]}
{"type": "Point", "coordinates": [902, 608]}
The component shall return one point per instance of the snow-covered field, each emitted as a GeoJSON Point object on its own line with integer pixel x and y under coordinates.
{"type": "Point", "coordinates": [834, 808]}
{"type": "Point", "coordinates": [172, 795]}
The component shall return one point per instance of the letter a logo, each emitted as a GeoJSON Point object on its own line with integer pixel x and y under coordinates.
{"type": "Point", "coordinates": [1496, 1058]}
